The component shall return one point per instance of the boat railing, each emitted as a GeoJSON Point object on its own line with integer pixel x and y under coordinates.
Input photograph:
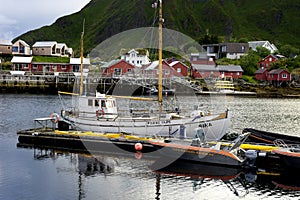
{"type": "Point", "coordinates": [280, 143]}
{"type": "Point", "coordinates": [45, 123]}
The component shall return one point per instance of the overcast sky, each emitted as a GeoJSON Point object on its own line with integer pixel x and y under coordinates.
{"type": "Point", "coordinates": [20, 16]}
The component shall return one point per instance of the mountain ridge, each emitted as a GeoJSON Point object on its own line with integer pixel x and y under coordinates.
{"type": "Point", "coordinates": [232, 20]}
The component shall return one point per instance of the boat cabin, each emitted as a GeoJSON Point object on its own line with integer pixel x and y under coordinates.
{"type": "Point", "coordinates": [100, 106]}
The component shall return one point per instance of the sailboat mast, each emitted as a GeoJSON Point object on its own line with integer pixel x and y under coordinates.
{"type": "Point", "coordinates": [160, 57]}
{"type": "Point", "coordinates": [81, 61]}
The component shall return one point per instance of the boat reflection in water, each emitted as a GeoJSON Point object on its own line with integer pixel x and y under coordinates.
{"type": "Point", "coordinates": [147, 174]}
{"type": "Point", "coordinates": [237, 180]}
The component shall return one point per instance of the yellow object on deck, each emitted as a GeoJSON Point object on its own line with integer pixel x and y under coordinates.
{"type": "Point", "coordinates": [106, 135]}
{"type": "Point", "coordinates": [258, 147]}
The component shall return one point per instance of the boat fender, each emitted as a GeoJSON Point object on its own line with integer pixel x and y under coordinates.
{"type": "Point", "coordinates": [138, 146]}
{"type": "Point", "coordinates": [54, 117]}
{"type": "Point", "coordinates": [63, 113]}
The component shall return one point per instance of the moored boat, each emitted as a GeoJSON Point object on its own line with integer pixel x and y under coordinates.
{"type": "Point", "coordinates": [100, 113]}
{"type": "Point", "coordinates": [270, 137]}
{"type": "Point", "coordinates": [200, 151]}
{"type": "Point", "coordinates": [289, 155]}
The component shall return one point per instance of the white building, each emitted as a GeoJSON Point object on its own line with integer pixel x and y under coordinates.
{"type": "Point", "coordinates": [20, 47]}
{"type": "Point", "coordinates": [137, 57]}
{"type": "Point", "coordinates": [265, 44]}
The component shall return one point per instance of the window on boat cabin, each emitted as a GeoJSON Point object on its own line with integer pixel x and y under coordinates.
{"type": "Point", "coordinates": [96, 102]}
{"type": "Point", "coordinates": [103, 103]}
{"type": "Point", "coordinates": [109, 104]}
{"type": "Point", "coordinates": [90, 102]}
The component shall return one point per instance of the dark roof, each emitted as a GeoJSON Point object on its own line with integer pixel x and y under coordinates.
{"type": "Point", "coordinates": [260, 71]}
{"type": "Point", "coordinates": [223, 68]}
{"type": "Point", "coordinates": [277, 71]}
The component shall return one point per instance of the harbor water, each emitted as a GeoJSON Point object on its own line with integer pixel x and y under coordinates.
{"type": "Point", "coordinates": [35, 173]}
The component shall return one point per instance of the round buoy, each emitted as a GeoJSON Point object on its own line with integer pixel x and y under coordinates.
{"type": "Point", "coordinates": [138, 146]}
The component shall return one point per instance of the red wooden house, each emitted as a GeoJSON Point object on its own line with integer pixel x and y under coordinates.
{"type": "Point", "coordinates": [261, 74]}
{"type": "Point", "coordinates": [203, 68]}
{"type": "Point", "coordinates": [234, 71]}
{"type": "Point", "coordinates": [151, 70]}
{"type": "Point", "coordinates": [47, 67]}
{"type": "Point", "coordinates": [20, 63]}
{"type": "Point", "coordinates": [277, 76]}
{"type": "Point", "coordinates": [267, 61]}
{"type": "Point", "coordinates": [180, 67]}
{"type": "Point", "coordinates": [206, 71]}
{"type": "Point", "coordinates": [116, 68]}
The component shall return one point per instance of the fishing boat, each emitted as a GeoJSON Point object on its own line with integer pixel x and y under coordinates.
{"type": "Point", "coordinates": [100, 113]}
{"type": "Point", "coordinates": [202, 152]}
{"type": "Point", "coordinates": [270, 137]}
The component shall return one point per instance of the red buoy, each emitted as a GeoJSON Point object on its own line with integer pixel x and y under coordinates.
{"type": "Point", "coordinates": [138, 146]}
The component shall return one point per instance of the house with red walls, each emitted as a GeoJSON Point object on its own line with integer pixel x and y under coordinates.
{"type": "Point", "coordinates": [180, 67]}
{"type": "Point", "coordinates": [199, 71]}
{"type": "Point", "coordinates": [261, 74]}
{"type": "Point", "coordinates": [20, 63]}
{"type": "Point", "coordinates": [278, 76]}
{"type": "Point", "coordinates": [117, 68]}
{"type": "Point", "coordinates": [268, 60]}
{"type": "Point", "coordinates": [151, 70]}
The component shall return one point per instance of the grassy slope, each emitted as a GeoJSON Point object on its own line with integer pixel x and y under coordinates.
{"type": "Point", "coordinates": [273, 20]}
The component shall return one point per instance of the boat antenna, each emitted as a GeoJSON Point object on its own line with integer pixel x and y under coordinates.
{"type": "Point", "coordinates": [81, 61]}
{"type": "Point", "coordinates": [160, 57]}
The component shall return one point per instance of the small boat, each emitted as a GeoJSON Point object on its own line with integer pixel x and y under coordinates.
{"type": "Point", "coordinates": [290, 156]}
{"type": "Point", "coordinates": [269, 137]}
{"type": "Point", "coordinates": [200, 151]}
{"type": "Point", "coordinates": [154, 91]}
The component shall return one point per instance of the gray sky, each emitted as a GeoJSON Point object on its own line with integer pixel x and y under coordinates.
{"type": "Point", "coordinates": [20, 16]}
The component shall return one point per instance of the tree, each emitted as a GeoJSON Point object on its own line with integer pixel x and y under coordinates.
{"type": "Point", "coordinates": [209, 39]}
{"type": "Point", "coordinates": [262, 51]}
{"type": "Point", "coordinates": [289, 51]}
{"type": "Point", "coordinates": [249, 62]}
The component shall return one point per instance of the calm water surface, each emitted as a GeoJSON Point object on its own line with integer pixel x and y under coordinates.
{"type": "Point", "coordinates": [27, 173]}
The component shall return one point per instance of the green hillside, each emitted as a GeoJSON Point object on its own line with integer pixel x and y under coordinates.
{"type": "Point", "coordinates": [232, 20]}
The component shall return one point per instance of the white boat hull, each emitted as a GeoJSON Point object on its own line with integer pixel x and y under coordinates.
{"type": "Point", "coordinates": [214, 127]}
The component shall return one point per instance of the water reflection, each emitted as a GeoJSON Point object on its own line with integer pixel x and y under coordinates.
{"type": "Point", "coordinates": [241, 182]}
{"type": "Point", "coordinates": [191, 178]}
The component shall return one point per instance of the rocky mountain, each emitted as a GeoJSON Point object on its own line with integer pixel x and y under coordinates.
{"type": "Point", "coordinates": [231, 20]}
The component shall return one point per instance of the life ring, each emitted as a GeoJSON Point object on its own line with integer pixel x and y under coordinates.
{"type": "Point", "coordinates": [100, 114]}
{"type": "Point", "coordinates": [54, 117]}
